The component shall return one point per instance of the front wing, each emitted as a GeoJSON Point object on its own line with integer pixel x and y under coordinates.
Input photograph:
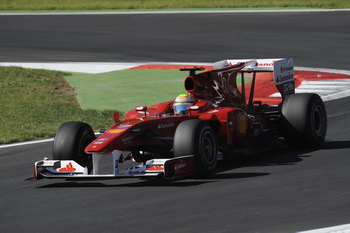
{"type": "Point", "coordinates": [69, 169]}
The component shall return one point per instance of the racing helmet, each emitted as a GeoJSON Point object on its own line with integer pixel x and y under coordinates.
{"type": "Point", "coordinates": [181, 104]}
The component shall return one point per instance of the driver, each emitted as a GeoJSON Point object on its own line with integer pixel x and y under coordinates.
{"type": "Point", "coordinates": [181, 104]}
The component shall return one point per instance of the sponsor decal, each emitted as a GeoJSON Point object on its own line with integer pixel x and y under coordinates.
{"type": "Point", "coordinates": [49, 163]}
{"type": "Point", "coordinates": [242, 125]}
{"type": "Point", "coordinates": [283, 71]}
{"type": "Point", "coordinates": [115, 130]}
{"type": "Point", "coordinates": [100, 141]}
{"type": "Point", "coordinates": [154, 161]}
{"type": "Point", "coordinates": [267, 64]}
{"type": "Point", "coordinates": [256, 132]}
{"type": "Point", "coordinates": [180, 166]}
{"type": "Point", "coordinates": [124, 126]}
{"type": "Point", "coordinates": [128, 139]}
{"type": "Point", "coordinates": [286, 68]}
{"type": "Point", "coordinates": [155, 168]}
{"type": "Point", "coordinates": [257, 129]}
{"type": "Point", "coordinates": [280, 79]}
{"type": "Point", "coordinates": [254, 63]}
{"type": "Point", "coordinates": [213, 111]}
{"type": "Point", "coordinates": [164, 125]}
{"type": "Point", "coordinates": [288, 87]}
{"type": "Point", "coordinates": [68, 168]}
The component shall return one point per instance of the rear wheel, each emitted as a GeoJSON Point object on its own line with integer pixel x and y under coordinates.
{"type": "Point", "coordinates": [304, 120]}
{"type": "Point", "coordinates": [196, 137]}
{"type": "Point", "coordinates": [70, 141]}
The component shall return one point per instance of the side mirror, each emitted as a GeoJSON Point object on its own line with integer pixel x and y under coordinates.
{"type": "Point", "coordinates": [116, 117]}
{"type": "Point", "coordinates": [142, 109]}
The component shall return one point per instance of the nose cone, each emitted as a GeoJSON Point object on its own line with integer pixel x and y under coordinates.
{"type": "Point", "coordinates": [108, 140]}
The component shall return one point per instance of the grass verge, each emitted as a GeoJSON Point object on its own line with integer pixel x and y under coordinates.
{"type": "Point", "coordinates": [44, 5]}
{"type": "Point", "coordinates": [123, 90]}
{"type": "Point", "coordinates": [34, 103]}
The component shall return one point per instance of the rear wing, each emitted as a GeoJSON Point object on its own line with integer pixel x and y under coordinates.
{"type": "Point", "coordinates": [282, 68]}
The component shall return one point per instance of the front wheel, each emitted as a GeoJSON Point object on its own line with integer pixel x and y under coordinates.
{"type": "Point", "coordinates": [304, 120]}
{"type": "Point", "coordinates": [70, 141]}
{"type": "Point", "coordinates": [196, 137]}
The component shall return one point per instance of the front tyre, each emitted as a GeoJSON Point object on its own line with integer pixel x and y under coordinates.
{"type": "Point", "coordinates": [70, 141]}
{"type": "Point", "coordinates": [304, 120]}
{"type": "Point", "coordinates": [196, 137]}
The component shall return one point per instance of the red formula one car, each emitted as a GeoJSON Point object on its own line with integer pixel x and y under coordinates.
{"type": "Point", "coordinates": [219, 118]}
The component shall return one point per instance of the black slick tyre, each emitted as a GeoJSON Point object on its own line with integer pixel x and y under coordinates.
{"type": "Point", "coordinates": [196, 137]}
{"type": "Point", "coordinates": [70, 141]}
{"type": "Point", "coordinates": [304, 120]}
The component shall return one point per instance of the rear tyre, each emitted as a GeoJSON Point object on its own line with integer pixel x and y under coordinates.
{"type": "Point", "coordinates": [196, 137]}
{"type": "Point", "coordinates": [304, 120]}
{"type": "Point", "coordinates": [70, 141]}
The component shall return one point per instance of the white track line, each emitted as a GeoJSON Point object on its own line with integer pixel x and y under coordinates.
{"type": "Point", "coordinates": [97, 134]}
{"type": "Point", "coordinates": [26, 143]}
{"type": "Point", "coordinates": [336, 229]}
{"type": "Point", "coordinates": [90, 67]}
{"type": "Point", "coordinates": [336, 71]}
{"type": "Point", "coordinates": [179, 12]}
{"type": "Point", "coordinates": [82, 67]}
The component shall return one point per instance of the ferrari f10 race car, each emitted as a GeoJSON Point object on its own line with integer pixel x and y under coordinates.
{"type": "Point", "coordinates": [218, 118]}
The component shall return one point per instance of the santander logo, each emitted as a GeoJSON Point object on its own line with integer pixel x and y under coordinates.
{"type": "Point", "coordinates": [164, 125]}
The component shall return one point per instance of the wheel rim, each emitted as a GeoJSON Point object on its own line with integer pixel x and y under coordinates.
{"type": "Point", "coordinates": [319, 121]}
{"type": "Point", "coordinates": [209, 148]}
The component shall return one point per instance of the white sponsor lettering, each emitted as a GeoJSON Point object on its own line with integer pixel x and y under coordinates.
{"type": "Point", "coordinates": [180, 166]}
{"type": "Point", "coordinates": [128, 139]}
{"type": "Point", "coordinates": [283, 71]}
{"type": "Point", "coordinates": [288, 87]}
{"type": "Point", "coordinates": [164, 125]}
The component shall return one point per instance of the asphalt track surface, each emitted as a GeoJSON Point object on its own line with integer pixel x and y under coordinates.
{"type": "Point", "coordinates": [276, 191]}
{"type": "Point", "coordinates": [312, 39]}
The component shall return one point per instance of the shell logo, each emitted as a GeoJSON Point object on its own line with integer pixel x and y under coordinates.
{"type": "Point", "coordinates": [115, 130]}
{"type": "Point", "coordinates": [242, 125]}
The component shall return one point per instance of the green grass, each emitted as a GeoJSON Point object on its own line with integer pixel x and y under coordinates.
{"type": "Point", "coordinates": [34, 103]}
{"type": "Point", "coordinates": [45, 5]}
{"type": "Point", "coordinates": [125, 89]}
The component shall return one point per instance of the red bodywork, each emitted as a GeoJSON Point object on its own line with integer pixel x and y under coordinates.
{"type": "Point", "coordinates": [228, 108]}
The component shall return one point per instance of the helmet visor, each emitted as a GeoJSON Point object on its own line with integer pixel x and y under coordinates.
{"type": "Point", "coordinates": [182, 106]}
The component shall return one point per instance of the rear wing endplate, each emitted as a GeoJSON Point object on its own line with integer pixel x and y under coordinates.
{"type": "Point", "coordinates": [282, 68]}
